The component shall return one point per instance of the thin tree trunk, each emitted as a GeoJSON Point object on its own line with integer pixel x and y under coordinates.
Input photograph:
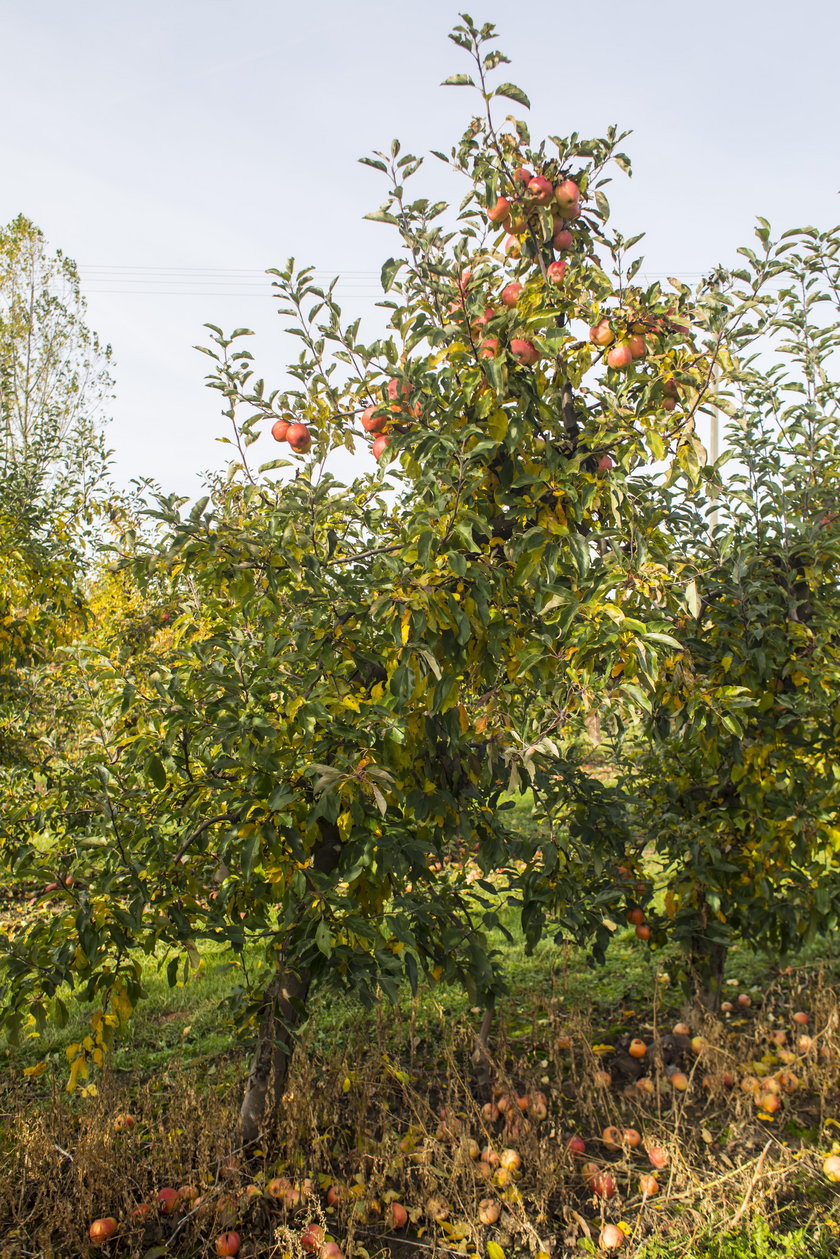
{"type": "Point", "coordinates": [284, 1007]}
{"type": "Point", "coordinates": [706, 965]}
{"type": "Point", "coordinates": [283, 1011]}
{"type": "Point", "coordinates": [481, 1054]}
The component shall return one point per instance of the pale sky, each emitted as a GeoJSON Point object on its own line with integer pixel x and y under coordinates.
{"type": "Point", "coordinates": [176, 149]}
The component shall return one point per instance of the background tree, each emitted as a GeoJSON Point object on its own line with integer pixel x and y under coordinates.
{"type": "Point", "coordinates": [741, 788]}
{"type": "Point", "coordinates": [54, 384]}
{"type": "Point", "coordinates": [356, 678]}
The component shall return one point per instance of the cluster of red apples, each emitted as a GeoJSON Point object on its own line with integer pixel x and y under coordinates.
{"type": "Point", "coordinates": [170, 1203]}
{"type": "Point", "coordinates": [377, 418]}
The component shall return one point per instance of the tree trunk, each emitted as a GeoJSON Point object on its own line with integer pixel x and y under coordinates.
{"type": "Point", "coordinates": [706, 962]}
{"type": "Point", "coordinates": [283, 1011]}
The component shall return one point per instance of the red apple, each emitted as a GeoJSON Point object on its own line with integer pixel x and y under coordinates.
{"type": "Point", "coordinates": [636, 916]}
{"type": "Point", "coordinates": [611, 1138]}
{"type": "Point", "coordinates": [611, 1237]}
{"type": "Point", "coordinates": [632, 1138]}
{"type": "Point", "coordinates": [567, 196]}
{"type": "Point", "coordinates": [331, 1250]}
{"type": "Point", "coordinates": [540, 190]}
{"type": "Point", "coordinates": [279, 429]}
{"type": "Point", "coordinates": [637, 346]}
{"type": "Point", "coordinates": [312, 1238]}
{"type": "Point", "coordinates": [228, 1243]}
{"type": "Point", "coordinates": [601, 333]}
{"type": "Point", "coordinates": [168, 1200]}
{"type": "Point", "coordinates": [522, 175]}
{"type": "Point", "coordinates": [397, 389]}
{"type": "Point", "coordinates": [801, 1018]}
{"type": "Point", "coordinates": [489, 313]}
{"type": "Point", "coordinates": [373, 421]}
{"type": "Point", "coordinates": [277, 1187]}
{"type": "Point", "coordinates": [125, 1122]}
{"type": "Point", "coordinates": [745, 1000]}
{"type": "Point", "coordinates": [648, 1185]}
{"type": "Point", "coordinates": [556, 271]}
{"type": "Point", "coordinates": [605, 463]}
{"type": "Point", "coordinates": [563, 239]}
{"type": "Point", "coordinates": [488, 1211]}
{"type": "Point", "coordinates": [512, 247]}
{"type": "Point", "coordinates": [380, 445]}
{"type": "Point", "coordinates": [525, 352]}
{"type": "Point", "coordinates": [603, 1185]}
{"type": "Point", "coordinates": [510, 293]}
{"type": "Point", "coordinates": [396, 1215]}
{"type": "Point", "coordinates": [679, 1081]}
{"type": "Point", "coordinates": [538, 1106]}
{"type": "Point", "coordinates": [500, 212]}
{"type": "Point", "coordinates": [299, 438]}
{"type": "Point", "coordinates": [621, 356]}
{"type": "Point", "coordinates": [102, 1230]}
{"type": "Point", "coordinates": [602, 1079]}
{"type": "Point", "coordinates": [831, 1168]}
{"type": "Point", "coordinates": [576, 1145]}
{"type": "Point", "coordinates": [489, 348]}
{"type": "Point", "coordinates": [658, 1157]}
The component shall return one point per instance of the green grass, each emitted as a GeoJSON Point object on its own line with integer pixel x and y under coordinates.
{"type": "Point", "coordinates": [759, 1242]}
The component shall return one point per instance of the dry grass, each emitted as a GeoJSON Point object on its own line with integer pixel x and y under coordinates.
{"type": "Point", "coordinates": [386, 1126]}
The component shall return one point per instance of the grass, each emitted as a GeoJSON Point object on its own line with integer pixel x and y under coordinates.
{"type": "Point", "coordinates": [363, 1108]}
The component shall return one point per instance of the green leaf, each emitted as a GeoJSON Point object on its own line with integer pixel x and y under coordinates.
{"type": "Point", "coordinates": [156, 771]}
{"type": "Point", "coordinates": [323, 939]}
{"type": "Point", "coordinates": [692, 599]}
{"type": "Point", "coordinates": [389, 271]}
{"type": "Point", "coordinates": [382, 216]}
{"type": "Point", "coordinates": [513, 93]}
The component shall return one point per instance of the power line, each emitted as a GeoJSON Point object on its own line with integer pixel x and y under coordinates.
{"type": "Point", "coordinates": [239, 282]}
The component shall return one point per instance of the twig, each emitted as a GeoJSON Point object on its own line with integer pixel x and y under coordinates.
{"type": "Point", "coordinates": [199, 830]}
{"type": "Point", "coordinates": [753, 1182]}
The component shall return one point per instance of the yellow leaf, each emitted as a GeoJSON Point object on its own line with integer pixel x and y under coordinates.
{"type": "Point", "coordinates": [78, 1071]}
{"type": "Point", "coordinates": [38, 1069]}
{"type": "Point", "coordinates": [494, 1251]}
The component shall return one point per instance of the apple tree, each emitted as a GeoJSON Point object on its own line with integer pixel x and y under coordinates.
{"type": "Point", "coordinates": [54, 383]}
{"type": "Point", "coordinates": [742, 788]}
{"type": "Point", "coordinates": [315, 766]}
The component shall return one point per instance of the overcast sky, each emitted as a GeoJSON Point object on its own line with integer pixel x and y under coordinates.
{"type": "Point", "coordinates": [176, 149]}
